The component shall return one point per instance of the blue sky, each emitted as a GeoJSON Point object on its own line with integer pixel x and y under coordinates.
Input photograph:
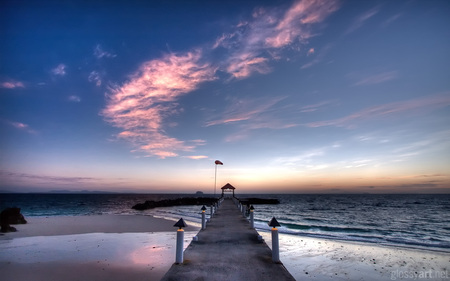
{"type": "Point", "coordinates": [292, 96]}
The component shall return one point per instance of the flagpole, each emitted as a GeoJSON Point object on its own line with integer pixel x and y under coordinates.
{"type": "Point", "coordinates": [217, 162]}
{"type": "Point", "coordinates": [215, 181]}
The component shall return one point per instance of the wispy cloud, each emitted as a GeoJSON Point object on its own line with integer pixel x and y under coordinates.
{"type": "Point", "coordinates": [251, 114]}
{"type": "Point", "coordinates": [60, 70]}
{"type": "Point", "coordinates": [139, 106]}
{"type": "Point", "coordinates": [99, 52]}
{"type": "Point", "coordinates": [387, 110]}
{"type": "Point", "coordinates": [21, 126]}
{"type": "Point", "coordinates": [253, 43]}
{"type": "Point", "coordinates": [319, 56]}
{"type": "Point", "coordinates": [243, 110]}
{"type": "Point", "coordinates": [361, 19]}
{"type": "Point", "coordinates": [376, 78]}
{"type": "Point", "coordinates": [95, 77]}
{"type": "Point", "coordinates": [308, 159]}
{"type": "Point", "coordinates": [390, 20]}
{"type": "Point", "coordinates": [74, 98]}
{"type": "Point", "coordinates": [44, 178]}
{"type": "Point", "coordinates": [197, 157]}
{"type": "Point", "coordinates": [12, 84]}
{"type": "Point", "coordinates": [317, 106]}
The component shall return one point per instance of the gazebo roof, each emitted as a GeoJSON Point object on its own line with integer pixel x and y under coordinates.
{"type": "Point", "coordinates": [228, 186]}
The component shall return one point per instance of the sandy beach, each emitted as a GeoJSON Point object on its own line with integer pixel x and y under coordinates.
{"type": "Point", "coordinates": [103, 247]}
{"type": "Point", "coordinates": [321, 259]}
{"type": "Point", "coordinates": [112, 247]}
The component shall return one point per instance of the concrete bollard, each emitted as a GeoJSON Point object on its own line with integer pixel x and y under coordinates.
{"type": "Point", "coordinates": [203, 217]}
{"type": "Point", "coordinates": [275, 242]}
{"type": "Point", "coordinates": [180, 241]}
{"type": "Point", "coordinates": [180, 246]}
{"type": "Point", "coordinates": [252, 217]}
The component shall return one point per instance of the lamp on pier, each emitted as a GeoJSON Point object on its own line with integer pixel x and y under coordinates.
{"type": "Point", "coordinates": [275, 242]}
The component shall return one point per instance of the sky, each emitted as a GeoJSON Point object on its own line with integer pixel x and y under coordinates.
{"type": "Point", "coordinates": [311, 96]}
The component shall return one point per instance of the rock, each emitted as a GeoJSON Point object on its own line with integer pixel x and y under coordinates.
{"type": "Point", "coordinates": [175, 202]}
{"type": "Point", "coordinates": [254, 201]}
{"type": "Point", "coordinates": [11, 216]}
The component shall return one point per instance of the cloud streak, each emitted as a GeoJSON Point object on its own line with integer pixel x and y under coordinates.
{"type": "Point", "coordinates": [361, 19]}
{"type": "Point", "coordinates": [12, 84]}
{"type": "Point", "coordinates": [20, 126]}
{"type": "Point", "coordinates": [139, 106]}
{"type": "Point", "coordinates": [244, 110]}
{"type": "Point", "coordinates": [386, 110]}
{"type": "Point", "coordinates": [377, 78]}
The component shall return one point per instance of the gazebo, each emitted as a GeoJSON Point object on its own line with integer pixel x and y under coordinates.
{"type": "Point", "coordinates": [228, 188]}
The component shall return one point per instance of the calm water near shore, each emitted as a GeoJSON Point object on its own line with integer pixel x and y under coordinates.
{"type": "Point", "coordinates": [421, 221]}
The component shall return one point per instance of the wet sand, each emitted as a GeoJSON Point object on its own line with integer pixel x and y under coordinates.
{"type": "Point", "coordinates": [104, 247]}
{"type": "Point", "coordinates": [321, 259]}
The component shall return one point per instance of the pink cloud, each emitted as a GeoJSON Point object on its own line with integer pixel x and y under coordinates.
{"type": "Point", "coordinates": [22, 126]}
{"type": "Point", "coordinates": [246, 65]}
{"type": "Point", "coordinates": [140, 105]}
{"type": "Point", "coordinates": [197, 157]}
{"type": "Point", "coordinates": [12, 85]}
{"type": "Point", "coordinates": [295, 23]}
{"type": "Point", "coordinates": [387, 110]}
{"type": "Point", "coordinates": [253, 43]}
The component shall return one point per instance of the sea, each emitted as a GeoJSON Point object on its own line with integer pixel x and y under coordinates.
{"type": "Point", "coordinates": [414, 221]}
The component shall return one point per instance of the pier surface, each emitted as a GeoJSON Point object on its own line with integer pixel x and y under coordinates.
{"type": "Point", "coordinates": [228, 249]}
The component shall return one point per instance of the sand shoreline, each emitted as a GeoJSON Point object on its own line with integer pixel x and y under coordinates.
{"type": "Point", "coordinates": [127, 247]}
{"type": "Point", "coordinates": [66, 225]}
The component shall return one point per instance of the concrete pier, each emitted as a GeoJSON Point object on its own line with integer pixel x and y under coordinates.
{"type": "Point", "coordinates": [228, 249]}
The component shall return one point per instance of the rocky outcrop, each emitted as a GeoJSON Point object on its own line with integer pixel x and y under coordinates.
{"type": "Point", "coordinates": [11, 216]}
{"type": "Point", "coordinates": [175, 202]}
{"type": "Point", "coordinates": [254, 201]}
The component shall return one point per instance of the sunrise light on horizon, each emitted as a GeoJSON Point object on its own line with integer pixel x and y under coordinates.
{"type": "Point", "coordinates": [311, 96]}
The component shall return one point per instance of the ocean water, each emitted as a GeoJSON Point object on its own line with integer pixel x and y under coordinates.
{"type": "Point", "coordinates": [418, 221]}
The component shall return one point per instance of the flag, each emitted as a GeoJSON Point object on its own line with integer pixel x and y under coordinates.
{"type": "Point", "coordinates": [218, 162]}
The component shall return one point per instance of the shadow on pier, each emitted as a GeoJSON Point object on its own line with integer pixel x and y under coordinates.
{"type": "Point", "coordinates": [228, 249]}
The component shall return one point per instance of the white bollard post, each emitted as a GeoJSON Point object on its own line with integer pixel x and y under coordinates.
{"type": "Point", "coordinates": [180, 245]}
{"type": "Point", "coordinates": [203, 217]}
{"type": "Point", "coordinates": [212, 210]}
{"type": "Point", "coordinates": [275, 245]}
{"type": "Point", "coordinates": [180, 241]}
{"type": "Point", "coordinates": [275, 242]}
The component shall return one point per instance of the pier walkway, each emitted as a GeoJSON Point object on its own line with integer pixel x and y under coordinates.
{"type": "Point", "coordinates": [228, 249]}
